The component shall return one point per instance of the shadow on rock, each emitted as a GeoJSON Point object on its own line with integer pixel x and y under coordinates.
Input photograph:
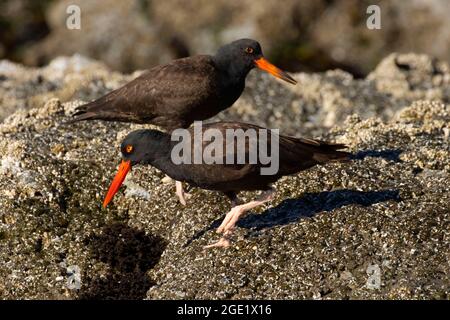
{"type": "Point", "coordinates": [129, 254]}
{"type": "Point", "coordinates": [292, 210]}
{"type": "Point", "coordinates": [388, 154]}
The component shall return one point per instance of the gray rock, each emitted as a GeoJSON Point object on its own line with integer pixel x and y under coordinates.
{"type": "Point", "coordinates": [65, 78]}
{"type": "Point", "coordinates": [322, 237]}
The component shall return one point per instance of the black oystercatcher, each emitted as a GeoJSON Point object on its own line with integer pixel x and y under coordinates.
{"type": "Point", "coordinates": [175, 95]}
{"type": "Point", "coordinates": [294, 154]}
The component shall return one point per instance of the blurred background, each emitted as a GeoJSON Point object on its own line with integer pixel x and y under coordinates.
{"type": "Point", "coordinates": [297, 35]}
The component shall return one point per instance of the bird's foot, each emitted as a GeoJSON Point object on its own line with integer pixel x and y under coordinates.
{"type": "Point", "coordinates": [166, 179]}
{"type": "Point", "coordinates": [224, 242]}
{"type": "Point", "coordinates": [227, 227]}
{"type": "Point", "coordinates": [229, 222]}
{"type": "Point", "coordinates": [231, 218]}
{"type": "Point", "coordinates": [182, 196]}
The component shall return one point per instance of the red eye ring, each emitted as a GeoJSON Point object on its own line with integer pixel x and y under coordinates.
{"type": "Point", "coordinates": [129, 148]}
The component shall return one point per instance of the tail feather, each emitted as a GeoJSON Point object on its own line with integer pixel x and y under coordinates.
{"type": "Point", "coordinates": [331, 152]}
{"type": "Point", "coordinates": [80, 116]}
{"type": "Point", "coordinates": [327, 152]}
{"type": "Point", "coordinates": [322, 151]}
{"type": "Point", "coordinates": [87, 111]}
{"type": "Point", "coordinates": [323, 156]}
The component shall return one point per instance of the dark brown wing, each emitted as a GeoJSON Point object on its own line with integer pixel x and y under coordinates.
{"type": "Point", "coordinates": [290, 148]}
{"type": "Point", "coordinates": [162, 95]}
{"type": "Point", "coordinates": [295, 154]}
{"type": "Point", "coordinates": [216, 175]}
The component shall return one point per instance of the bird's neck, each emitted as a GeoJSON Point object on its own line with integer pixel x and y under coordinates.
{"type": "Point", "coordinates": [161, 157]}
{"type": "Point", "coordinates": [233, 72]}
{"type": "Point", "coordinates": [160, 150]}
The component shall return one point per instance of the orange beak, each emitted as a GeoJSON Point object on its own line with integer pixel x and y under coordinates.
{"type": "Point", "coordinates": [265, 65]}
{"type": "Point", "coordinates": [124, 168]}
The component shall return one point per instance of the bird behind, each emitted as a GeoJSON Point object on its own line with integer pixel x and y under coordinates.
{"type": "Point", "coordinates": [176, 94]}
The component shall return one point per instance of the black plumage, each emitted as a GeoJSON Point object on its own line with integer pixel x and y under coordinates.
{"type": "Point", "coordinates": [152, 147]}
{"type": "Point", "coordinates": [295, 154]}
{"type": "Point", "coordinates": [175, 95]}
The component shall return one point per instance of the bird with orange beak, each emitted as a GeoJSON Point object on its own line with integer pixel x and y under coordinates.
{"type": "Point", "coordinates": [152, 147]}
{"type": "Point", "coordinates": [175, 95]}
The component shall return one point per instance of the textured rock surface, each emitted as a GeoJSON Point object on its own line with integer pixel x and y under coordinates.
{"type": "Point", "coordinates": [388, 208]}
{"type": "Point", "coordinates": [64, 78]}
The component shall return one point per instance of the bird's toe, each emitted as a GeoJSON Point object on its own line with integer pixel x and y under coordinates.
{"type": "Point", "coordinates": [222, 243]}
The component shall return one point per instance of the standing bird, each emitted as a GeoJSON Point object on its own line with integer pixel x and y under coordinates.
{"type": "Point", "coordinates": [294, 154]}
{"type": "Point", "coordinates": [175, 95]}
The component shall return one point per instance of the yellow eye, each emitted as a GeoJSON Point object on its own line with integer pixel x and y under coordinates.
{"type": "Point", "coordinates": [249, 50]}
{"type": "Point", "coordinates": [129, 149]}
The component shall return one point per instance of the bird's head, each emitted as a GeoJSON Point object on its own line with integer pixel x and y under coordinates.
{"type": "Point", "coordinates": [242, 55]}
{"type": "Point", "coordinates": [138, 147]}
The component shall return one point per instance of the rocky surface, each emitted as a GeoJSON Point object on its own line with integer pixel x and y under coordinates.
{"type": "Point", "coordinates": [322, 237]}
{"type": "Point", "coordinates": [64, 78]}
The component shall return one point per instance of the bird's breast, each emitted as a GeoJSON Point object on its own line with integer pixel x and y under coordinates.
{"type": "Point", "coordinates": [230, 93]}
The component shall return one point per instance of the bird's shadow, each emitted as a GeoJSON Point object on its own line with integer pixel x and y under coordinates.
{"type": "Point", "coordinates": [292, 210]}
{"type": "Point", "coordinates": [388, 154]}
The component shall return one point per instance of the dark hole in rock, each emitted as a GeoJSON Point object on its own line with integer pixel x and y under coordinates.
{"type": "Point", "coordinates": [130, 253]}
{"type": "Point", "coordinates": [436, 70]}
{"type": "Point", "coordinates": [402, 66]}
{"type": "Point", "coordinates": [39, 79]}
{"type": "Point", "coordinates": [3, 235]}
{"type": "Point", "coordinates": [417, 170]}
{"type": "Point", "coordinates": [38, 245]}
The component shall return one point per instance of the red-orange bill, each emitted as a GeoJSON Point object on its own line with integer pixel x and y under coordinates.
{"type": "Point", "coordinates": [265, 65]}
{"type": "Point", "coordinates": [124, 168]}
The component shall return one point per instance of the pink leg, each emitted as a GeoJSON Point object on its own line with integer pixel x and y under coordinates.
{"type": "Point", "coordinates": [180, 192]}
{"type": "Point", "coordinates": [232, 217]}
